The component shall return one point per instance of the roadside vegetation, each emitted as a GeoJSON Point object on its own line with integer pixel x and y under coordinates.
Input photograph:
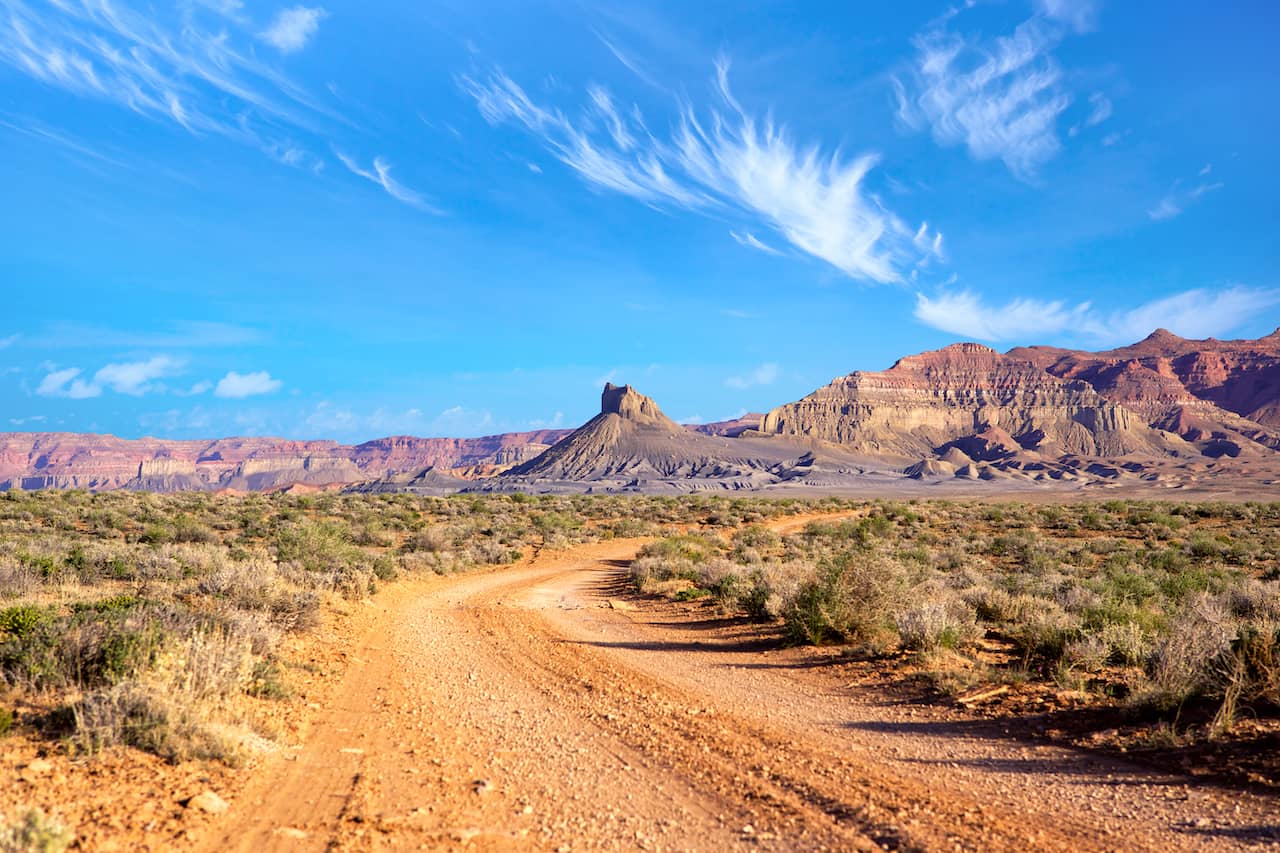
{"type": "Point", "coordinates": [162, 623]}
{"type": "Point", "coordinates": [1157, 608]}
{"type": "Point", "coordinates": [156, 621]}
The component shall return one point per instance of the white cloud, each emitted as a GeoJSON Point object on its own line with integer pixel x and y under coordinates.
{"type": "Point", "coordinates": [5, 343]}
{"type": "Point", "coordinates": [134, 378]}
{"type": "Point", "coordinates": [628, 62]}
{"type": "Point", "coordinates": [293, 28]}
{"type": "Point", "coordinates": [1001, 100]}
{"type": "Point", "coordinates": [66, 383]}
{"type": "Point", "coordinates": [187, 67]}
{"type": "Point", "coordinates": [1179, 198]}
{"type": "Point", "coordinates": [765, 374]}
{"type": "Point", "coordinates": [1080, 15]}
{"type": "Point", "coordinates": [381, 175]}
{"type": "Point", "coordinates": [556, 421]}
{"type": "Point", "coordinates": [1102, 109]}
{"type": "Point", "coordinates": [1196, 313]}
{"type": "Point", "coordinates": [236, 386]}
{"type": "Point", "coordinates": [749, 240]}
{"type": "Point", "coordinates": [727, 158]}
{"type": "Point", "coordinates": [965, 313]}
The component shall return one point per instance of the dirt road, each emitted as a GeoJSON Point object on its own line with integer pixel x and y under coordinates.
{"type": "Point", "coordinates": [535, 708]}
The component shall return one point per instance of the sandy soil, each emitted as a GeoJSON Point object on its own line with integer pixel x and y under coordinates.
{"type": "Point", "coordinates": [542, 707]}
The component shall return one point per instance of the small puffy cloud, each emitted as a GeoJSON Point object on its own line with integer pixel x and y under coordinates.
{"type": "Point", "coordinates": [1101, 109]}
{"type": "Point", "coordinates": [765, 374]}
{"type": "Point", "coordinates": [66, 383]}
{"type": "Point", "coordinates": [5, 343]}
{"type": "Point", "coordinates": [1198, 313]}
{"type": "Point", "coordinates": [134, 378]}
{"type": "Point", "coordinates": [236, 386]}
{"type": "Point", "coordinates": [292, 28]}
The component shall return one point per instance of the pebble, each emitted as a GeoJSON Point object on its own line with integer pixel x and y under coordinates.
{"type": "Point", "coordinates": [209, 802]}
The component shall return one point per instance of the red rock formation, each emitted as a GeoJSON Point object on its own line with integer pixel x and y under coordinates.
{"type": "Point", "coordinates": [98, 462]}
{"type": "Point", "coordinates": [1204, 390]}
{"type": "Point", "coordinates": [969, 396]}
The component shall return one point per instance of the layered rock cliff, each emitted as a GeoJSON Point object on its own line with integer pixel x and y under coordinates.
{"type": "Point", "coordinates": [101, 462]}
{"type": "Point", "coordinates": [1208, 391]}
{"type": "Point", "coordinates": [969, 396]}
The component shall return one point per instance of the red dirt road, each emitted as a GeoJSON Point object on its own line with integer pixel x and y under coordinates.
{"type": "Point", "coordinates": [535, 708]}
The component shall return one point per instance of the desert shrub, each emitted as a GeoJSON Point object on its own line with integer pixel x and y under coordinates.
{"type": "Point", "coordinates": [1127, 643]}
{"type": "Point", "coordinates": [851, 598]}
{"type": "Point", "coordinates": [32, 831]}
{"type": "Point", "coordinates": [434, 539]}
{"type": "Point", "coordinates": [722, 578]}
{"type": "Point", "coordinates": [6, 720]}
{"type": "Point", "coordinates": [1186, 662]}
{"type": "Point", "coordinates": [314, 545]}
{"type": "Point", "coordinates": [168, 709]}
{"type": "Point", "coordinates": [1090, 653]}
{"type": "Point", "coordinates": [684, 548]}
{"type": "Point", "coordinates": [939, 621]}
{"type": "Point", "coordinates": [1040, 627]}
{"type": "Point", "coordinates": [1257, 647]}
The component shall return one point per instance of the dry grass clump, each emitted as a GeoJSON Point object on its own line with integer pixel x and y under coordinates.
{"type": "Point", "coordinates": [1167, 603]}
{"type": "Point", "coordinates": [32, 831]}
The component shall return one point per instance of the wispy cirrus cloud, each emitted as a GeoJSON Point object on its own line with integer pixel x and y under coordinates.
{"type": "Point", "coordinates": [1001, 99]}
{"type": "Point", "coordinates": [746, 238]}
{"type": "Point", "coordinates": [292, 28]}
{"type": "Point", "coordinates": [1080, 15]}
{"type": "Point", "coordinates": [380, 174]}
{"type": "Point", "coordinates": [1198, 313]}
{"type": "Point", "coordinates": [1183, 194]}
{"type": "Point", "coordinates": [184, 69]}
{"type": "Point", "coordinates": [715, 161]}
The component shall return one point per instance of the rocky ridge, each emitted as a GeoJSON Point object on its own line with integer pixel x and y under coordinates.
{"type": "Point", "coordinates": [1165, 411]}
{"type": "Point", "coordinates": [632, 446]}
{"type": "Point", "coordinates": [941, 412]}
{"type": "Point", "coordinates": [1224, 396]}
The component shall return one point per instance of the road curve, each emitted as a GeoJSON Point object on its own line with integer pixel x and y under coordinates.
{"type": "Point", "coordinates": [534, 708]}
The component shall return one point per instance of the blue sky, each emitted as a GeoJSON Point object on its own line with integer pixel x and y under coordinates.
{"type": "Point", "coordinates": [351, 220]}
